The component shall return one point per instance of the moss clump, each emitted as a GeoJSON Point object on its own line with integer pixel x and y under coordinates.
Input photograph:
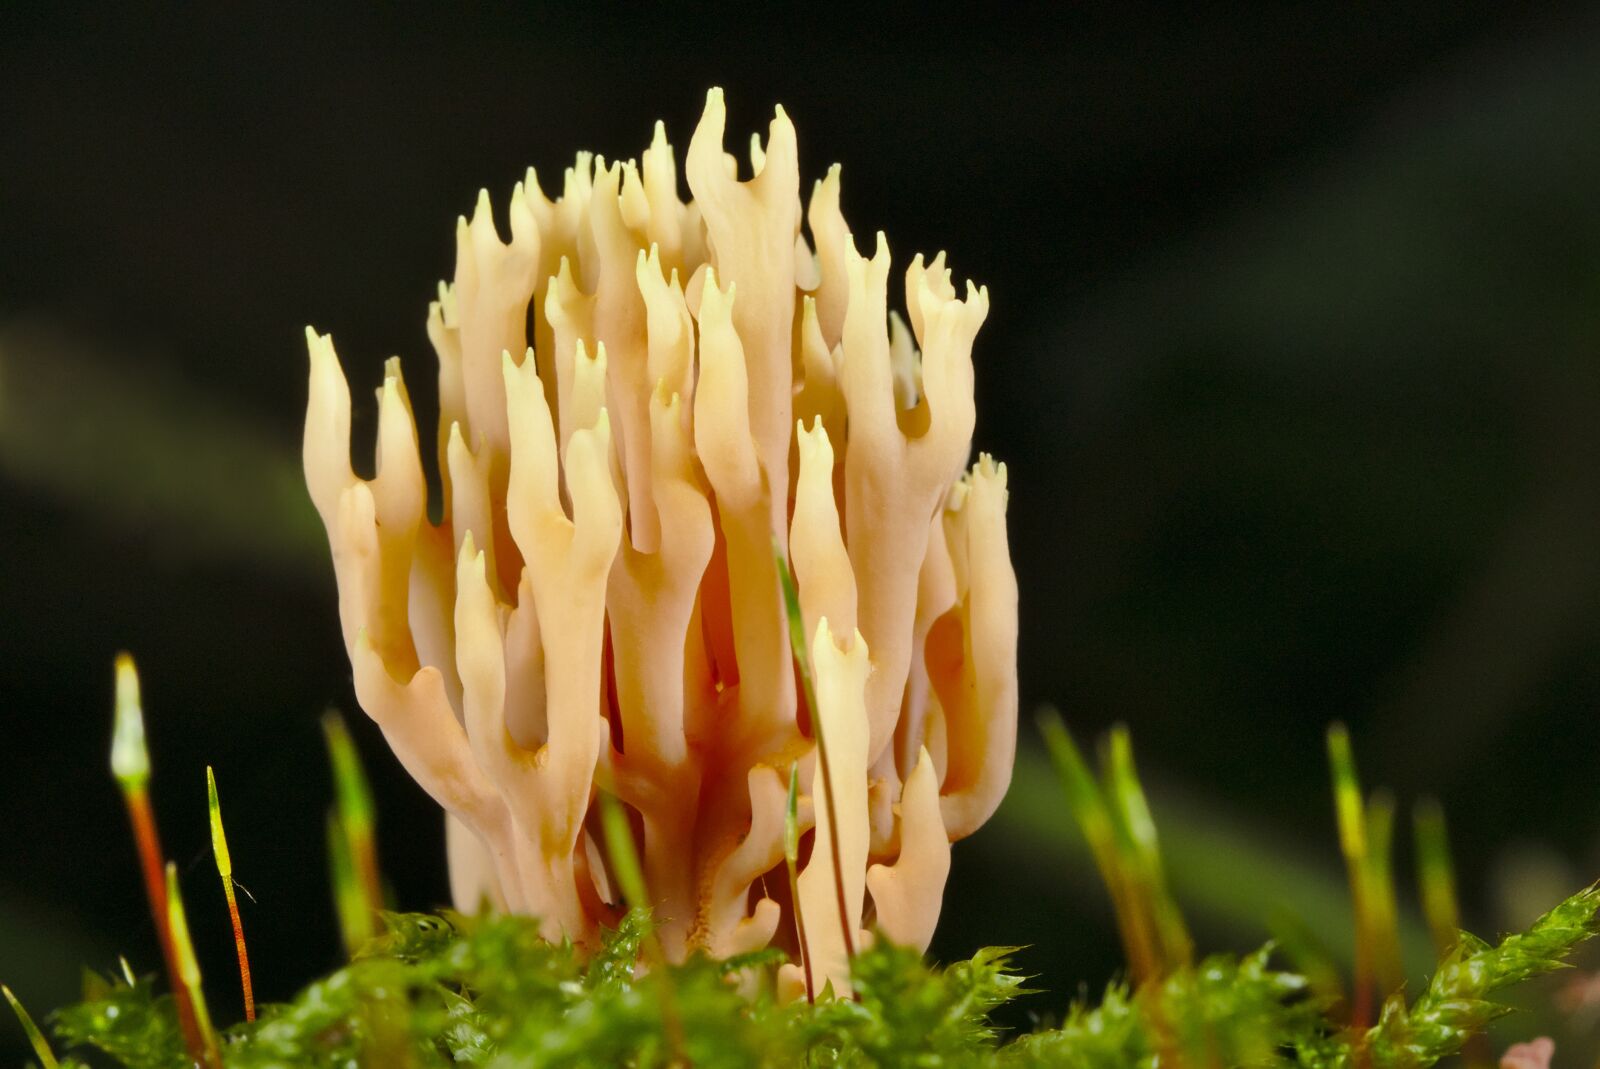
{"type": "Point", "coordinates": [445, 989]}
{"type": "Point", "coordinates": [439, 990]}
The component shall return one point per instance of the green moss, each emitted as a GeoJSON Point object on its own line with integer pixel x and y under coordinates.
{"type": "Point", "coordinates": [445, 989]}
{"type": "Point", "coordinates": [439, 990]}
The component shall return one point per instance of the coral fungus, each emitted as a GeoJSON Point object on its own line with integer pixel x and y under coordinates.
{"type": "Point", "coordinates": [640, 399]}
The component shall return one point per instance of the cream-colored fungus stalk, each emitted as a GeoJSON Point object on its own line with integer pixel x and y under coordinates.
{"type": "Point", "coordinates": [638, 399]}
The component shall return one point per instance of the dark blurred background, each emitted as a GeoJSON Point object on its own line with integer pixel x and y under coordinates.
{"type": "Point", "coordinates": [1294, 356]}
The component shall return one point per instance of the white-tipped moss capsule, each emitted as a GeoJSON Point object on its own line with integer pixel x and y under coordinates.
{"type": "Point", "coordinates": [130, 759]}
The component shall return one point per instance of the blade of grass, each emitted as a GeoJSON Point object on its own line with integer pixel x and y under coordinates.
{"type": "Point", "coordinates": [219, 850]}
{"type": "Point", "coordinates": [802, 656]}
{"type": "Point", "coordinates": [36, 1040]}
{"type": "Point", "coordinates": [209, 1054]}
{"type": "Point", "coordinates": [130, 764]}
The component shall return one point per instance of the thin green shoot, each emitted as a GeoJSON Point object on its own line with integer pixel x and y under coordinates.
{"type": "Point", "coordinates": [791, 859]}
{"type": "Point", "coordinates": [626, 867]}
{"type": "Point", "coordinates": [209, 1054]}
{"type": "Point", "coordinates": [620, 852]}
{"type": "Point", "coordinates": [219, 850]}
{"type": "Point", "coordinates": [36, 1040]}
{"type": "Point", "coordinates": [1384, 917]}
{"type": "Point", "coordinates": [357, 820]}
{"type": "Point", "coordinates": [1436, 875]}
{"type": "Point", "coordinates": [356, 921]}
{"type": "Point", "coordinates": [1142, 851]}
{"type": "Point", "coordinates": [1093, 813]}
{"type": "Point", "coordinates": [798, 643]}
{"type": "Point", "coordinates": [1351, 815]}
{"type": "Point", "coordinates": [1436, 881]}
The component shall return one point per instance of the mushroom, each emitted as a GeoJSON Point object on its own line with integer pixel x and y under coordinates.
{"type": "Point", "coordinates": [645, 406]}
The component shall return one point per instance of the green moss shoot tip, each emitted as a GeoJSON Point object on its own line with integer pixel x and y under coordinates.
{"type": "Point", "coordinates": [355, 811]}
{"type": "Point", "coordinates": [1384, 911]}
{"type": "Point", "coordinates": [1436, 874]}
{"type": "Point", "coordinates": [1348, 806]}
{"type": "Point", "coordinates": [1092, 809]}
{"type": "Point", "coordinates": [206, 1052]}
{"type": "Point", "coordinates": [357, 923]}
{"type": "Point", "coordinates": [1350, 811]}
{"type": "Point", "coordinates": [1142, 850]}
{"type": "Point", "coordinates": [349, 780]}
{"type": "Point", "coordinates": [36, 1040]}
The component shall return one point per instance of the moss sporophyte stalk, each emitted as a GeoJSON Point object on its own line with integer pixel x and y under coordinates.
{"type": "Point", "coordinates": [709, 656]}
